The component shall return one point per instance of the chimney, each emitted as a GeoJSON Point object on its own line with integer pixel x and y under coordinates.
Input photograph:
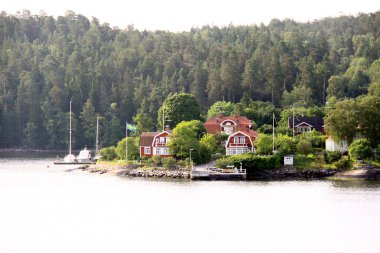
{"type": "Point", "coordinates": [220, 115]}
{"type": "Point", "coordinates": [167, 128]}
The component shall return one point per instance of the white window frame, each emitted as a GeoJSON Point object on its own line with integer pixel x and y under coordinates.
{"type": "Point", "coordinates": [147, 150]}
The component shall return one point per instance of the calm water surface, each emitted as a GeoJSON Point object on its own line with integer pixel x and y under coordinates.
{"type": "Point", "coordinates": [48, 209]}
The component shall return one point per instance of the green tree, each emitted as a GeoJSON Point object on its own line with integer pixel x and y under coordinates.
{"type": "Point", "coordinates": [133, 149]}
{"type": "Point", "coordinates": [185, 137]}
{"type": "Point", "coordinates": [226, 108]}
{"type": "Point", "coordinates": [360, 149]}
{"type": "Point", "coordinates": [177, 108]}
{"type": "Point", "coordinates": [88, 117]}
{"type": "Point", "coordinates": [209, 142]}
{"type": "Point", "coordinates": [342, 122]}
{"type": "Point", "coordinates": [144, 123]}
{"type": "Point", "coordinates": [264, 144]}
{"type": "Point", "coordinates": [285, 145]}
{"type": "Point", "coordinates": [369, 118]}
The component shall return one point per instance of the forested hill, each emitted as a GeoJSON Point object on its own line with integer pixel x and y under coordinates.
{"type": "Point", "coordinates": [46, 62]}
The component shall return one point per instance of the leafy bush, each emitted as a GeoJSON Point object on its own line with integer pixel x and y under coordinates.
{"type": "Point", "coordinates": [108, 154]}
{"type": "Point", "coordinates": [332, 156]}
{"type": "Point", "coordinates": [343, 163]}
{"type": "Point", "coordinates": [182, 164]}
{"type": "Point", "coordinates": [168, 162]}
{"type": "Point", "coordinates": [156, 159]}
{"type": "Point", "coordinates": [360, 149]}
{"type": "Point", "coordinates": [285, 144]}
{"type": "Point", "coordinates": [264, 144]}
{"type": "Point", "coordinates": [250, 162]}
{"type": "Point", "coordinates": [304, 147]}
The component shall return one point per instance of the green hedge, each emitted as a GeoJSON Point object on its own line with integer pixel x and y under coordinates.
{"type": "Point", "coordinates": [250, 162]}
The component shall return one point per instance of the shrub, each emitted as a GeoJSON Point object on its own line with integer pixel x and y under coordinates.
{"type": "Point", "coordinates": [332, 156]}
{"type": "Point", "coordinates": [108, 154]}
{"type": "Point", "coordinates": [304, 147]}
{"type": "Point", "coordinates": [156, 159]}
{"type": "Point", "coordinates": [343, 163]}
{"type": "Point", "coordinates": [182, 164]}
{"type": "Point", "coordinates": [168, 162]}
{"type": "Point", "coordinates": [285, 145]}
{"type": "Point", "coordinates": [360, 149]}
{"type": "Point", "coordinates": [250, 162]}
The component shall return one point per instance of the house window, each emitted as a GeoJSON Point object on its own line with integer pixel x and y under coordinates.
{"type": "Point", "coordinates": [162, 140]}
{"type": "Point", "coordinates": [236, 140]}
{"type": "Point", "coordinates": [242, 140]}
{"type": "Point", "coordinates": [167, 139]}
{"type": "Point", "coordinates": [147, 150]}
{"type": "Point", "coordinates": [157, 151]}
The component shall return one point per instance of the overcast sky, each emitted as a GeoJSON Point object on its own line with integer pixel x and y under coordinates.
{"type": "Point", "coordinates": [176, 15]}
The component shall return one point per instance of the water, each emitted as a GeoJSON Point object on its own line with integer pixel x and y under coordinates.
{"type": "Point", "coordinates": [47, 209]}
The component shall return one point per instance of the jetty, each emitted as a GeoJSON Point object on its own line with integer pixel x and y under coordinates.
{"type": "Point", "coordinates": [213, 173]}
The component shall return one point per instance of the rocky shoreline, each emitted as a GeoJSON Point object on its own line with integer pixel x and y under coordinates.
{"type": "Point", "coordinates": [131, 171]}
{"type": "Point", "coordinates": [280, 174]}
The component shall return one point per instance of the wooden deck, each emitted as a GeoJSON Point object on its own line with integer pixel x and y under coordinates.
{"type": "Point", "coordinates": [218, 174]}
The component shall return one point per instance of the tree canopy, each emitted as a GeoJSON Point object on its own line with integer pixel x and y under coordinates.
{"type": "Point", "coordinates": [45, 62]}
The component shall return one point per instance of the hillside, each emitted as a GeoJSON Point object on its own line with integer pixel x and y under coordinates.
{"type": "Point", "coordinates": [116, 73]}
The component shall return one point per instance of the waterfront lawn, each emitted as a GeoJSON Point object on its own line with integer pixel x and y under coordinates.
{"type": "Point", "coordinates": [309, 162]}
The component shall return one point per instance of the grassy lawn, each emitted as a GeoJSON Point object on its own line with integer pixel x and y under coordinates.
{"type": "Point", "coordinates": [308, 162]}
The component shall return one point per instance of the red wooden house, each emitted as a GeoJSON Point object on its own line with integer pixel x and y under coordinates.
{"type": "Point", "coordinates": [154, 143]}
{"type": "Point", "coordinates": [240, 142]}
{"type": "Point", "coordinates": [238, 128]}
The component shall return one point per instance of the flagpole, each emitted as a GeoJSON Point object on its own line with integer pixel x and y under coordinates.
{"type": "Point", "coordinates": [126, 143]}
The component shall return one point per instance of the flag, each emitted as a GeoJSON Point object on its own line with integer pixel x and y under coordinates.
{"type": "Point", "coordinates": [131, 127]}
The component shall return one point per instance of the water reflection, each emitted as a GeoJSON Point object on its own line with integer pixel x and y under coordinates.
{"type": "Point", "coordinates": [357, 184]}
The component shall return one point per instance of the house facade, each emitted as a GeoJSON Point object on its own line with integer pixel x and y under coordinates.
{"type": "Point", "coordinates": [332, 145]}
{"type": "Point", "coordinates": [240, 143]}
{"type": "Point", "coordinates": [154, 143]}
{"type": "Point", "coordinates": [304, 124]}
{"type": "Point", "coordinates": [239, 130]}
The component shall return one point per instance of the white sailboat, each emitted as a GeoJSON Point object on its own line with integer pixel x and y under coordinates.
{"type": "Point", "coordinates": [97, 151]}
{"type": "Point", "coordinates": [84, 156]}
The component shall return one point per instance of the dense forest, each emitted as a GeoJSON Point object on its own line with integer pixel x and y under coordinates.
{"type": "Point", "coordinates": [117, 73]}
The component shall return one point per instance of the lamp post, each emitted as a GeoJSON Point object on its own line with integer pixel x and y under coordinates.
{"type": "Point", "coordinates": [191, 162]}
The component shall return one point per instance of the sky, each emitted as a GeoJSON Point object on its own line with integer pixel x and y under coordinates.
{"type": "Point", "coordinates": [177, 15]}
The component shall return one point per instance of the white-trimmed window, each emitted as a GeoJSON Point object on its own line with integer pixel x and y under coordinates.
{"type": "Point", "coordinates": [236, 140]}
{"type": "Point", "coordinates": [242, 140]}
{"type": "Point", "coordinates": [162, 140]}
{"type": "Point", "coordinates": [147, 150]}
{"type": "Point", "coordinates": [167, 139]}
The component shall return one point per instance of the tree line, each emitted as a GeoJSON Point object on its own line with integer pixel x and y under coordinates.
{"type": "Point", "coordinates": [117, 74]}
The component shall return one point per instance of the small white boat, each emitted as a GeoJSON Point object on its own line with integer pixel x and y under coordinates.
{"type": "Point", "coordinates": [84, 156]}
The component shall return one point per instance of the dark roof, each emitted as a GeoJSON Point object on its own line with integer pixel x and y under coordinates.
{"type": "Point", "coordinates": [316, 122]}
{"type": "Point", "coordinates": [146, 138]}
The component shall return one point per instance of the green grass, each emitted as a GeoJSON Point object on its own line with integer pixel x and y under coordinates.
{"type": "Point", "coordinates": [308, 162]}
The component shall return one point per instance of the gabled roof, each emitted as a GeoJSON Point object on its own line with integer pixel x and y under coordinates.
{"type": "Point", "coordinates": [251, 134]}
{"type": "Point", "coordinates": [315, 122]}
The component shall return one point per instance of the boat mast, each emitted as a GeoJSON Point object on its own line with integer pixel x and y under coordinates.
{"type": "Point", "coordinates": [70, 131]}
{"type": "Point", "coordinates": [97, 136]}
{"type": "Point", "coordinates": [273, 134]}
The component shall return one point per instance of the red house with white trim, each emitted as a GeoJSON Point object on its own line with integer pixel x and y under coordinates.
{"type": "Point", "coordinates": [154, 143]}
{"type": "Point", "coordinates": [240, 142]}
{"type": "Point", "coordinates": [239, 129]}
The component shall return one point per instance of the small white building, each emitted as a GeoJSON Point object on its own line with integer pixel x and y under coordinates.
{"type": "Point", "coordinates": [332, 145]}
{"type": "Point", "coordinates": [288, 159]}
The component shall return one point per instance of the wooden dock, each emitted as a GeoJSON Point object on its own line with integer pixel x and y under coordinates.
{"type": "Point", "coordinates": [218, 174]}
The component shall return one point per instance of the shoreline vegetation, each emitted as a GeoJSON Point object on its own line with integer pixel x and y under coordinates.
{"type": "Point", "coordinates": [284, 173]}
